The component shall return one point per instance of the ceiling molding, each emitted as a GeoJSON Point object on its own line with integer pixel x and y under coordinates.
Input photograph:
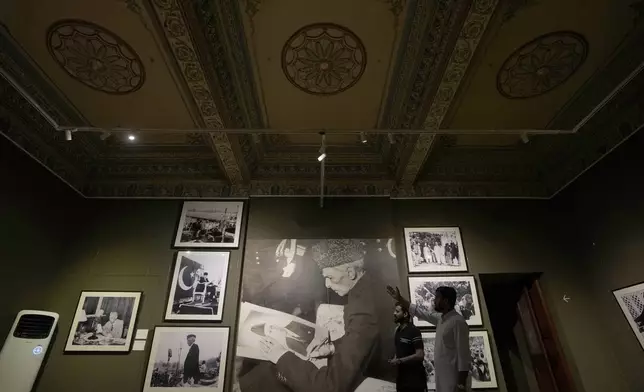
{"type": "Point", "coordinates": [565, 157]}
{"type": "Point", "coordinates": [303, 188]}
{"type": "Point", "coordinates": [25, 127]}
{"type": "Point", "coordinates": [207, 45]}
{"type": "Point", "coordinates": [472, 30]}
{"type": "Point", "coordinates": [18, 65]}
{"type": "Point", "coordinates": [229, 153]}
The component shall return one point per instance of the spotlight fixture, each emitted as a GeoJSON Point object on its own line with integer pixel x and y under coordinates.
{"type": "Point", "coordinates": [131, 137]}
{"type": "Point", "coordinates": [390, 136]}
{"type": "Point", "coordinates": [363, 138]}
{"type": "Point", "coordinates": [105, 135]}
{"type": "Point", "coordinates": [322, 151]}
{"type": "Point", "coordinates": [525, 138]}
{"type": "Point", "coordinates": [322, 155]}
{"type": "Point", "coordinates": [68, 135]}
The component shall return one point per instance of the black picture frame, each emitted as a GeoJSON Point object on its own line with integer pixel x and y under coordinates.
{"type": "Point", "coordinates": [631, 307]}
{"type": "Point", "coordinates": [208, 207]}
{"type": "Point", "coordinates": [97, 334]}
{"type": "Point", "coordinates": [185, 329]}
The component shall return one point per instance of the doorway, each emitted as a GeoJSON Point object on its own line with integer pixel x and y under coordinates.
{"type": "Point", "coordinates": [526, 339]}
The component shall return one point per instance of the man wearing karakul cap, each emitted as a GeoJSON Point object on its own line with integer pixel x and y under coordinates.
{"type": "Point", "coordinates": [360, 353]}
{"type": "Point", "coordinates": [191, 363]}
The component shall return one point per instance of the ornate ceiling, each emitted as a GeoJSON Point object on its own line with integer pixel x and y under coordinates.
{"type": "Point", "coordinates": [417, 98]}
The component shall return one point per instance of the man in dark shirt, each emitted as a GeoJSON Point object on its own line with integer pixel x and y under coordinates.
{"type": "Point", "coordinates": [191, 363]}
{"type": "Point", "coordinates": [409, 354]}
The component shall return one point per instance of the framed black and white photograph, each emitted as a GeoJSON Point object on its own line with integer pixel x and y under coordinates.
{"type": "Point", "coordinates": [104, 322]}
{"type": "Point", "coordinates": [631, 301]}
{"type": "Point", "coordinates": [482, 367]}
{"type": "Point", "coordinates": [183, 358]}
{"type": "Point", "coordinates": [209, 224]}
{"type": "Point", "coordinates": [302, 296]}
{"type": "Point", "coordinates": [435, 249]}
{"type": "Point", "coordinates": [198, 286]}
{"type": "Point", "coordinates": [422, 292]}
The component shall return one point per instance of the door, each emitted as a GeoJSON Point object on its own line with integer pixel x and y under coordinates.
{"type": "Point", "coordinates": [550, 367]}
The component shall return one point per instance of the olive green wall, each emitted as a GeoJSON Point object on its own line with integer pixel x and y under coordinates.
{"type": "Point", "coordinates": [73, 244]}
{"type": "Point", "coordinates": [605, 210]}
{"type": "Point", "coordinates": [36, 213]}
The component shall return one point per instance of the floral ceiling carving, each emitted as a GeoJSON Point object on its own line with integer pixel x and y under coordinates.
{"type": "Point", "coordinates": [324, 59]}
{"type": "Point", "coordinates": [95, 56]}
{"type": "Point", "coordinates": [542, 64]}
{"type": "Point", "coordinates": [207, 49]}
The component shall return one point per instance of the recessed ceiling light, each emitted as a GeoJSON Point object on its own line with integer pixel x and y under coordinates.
{"type": "Point", "coordinates": [131, 138]}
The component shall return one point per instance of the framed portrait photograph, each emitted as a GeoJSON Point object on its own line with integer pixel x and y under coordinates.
{"type": "Point", "coordinates": [104, 322]}
{"type": "Point", "coordinates": [435, 249]}
{"type": "Point", "coordinates": [301, 295]}
{"type": "Point", "coordinates": [422, 291]}
{"type": "Point", "coordinates": [183, 358]}
{"type": "Point", "coordinates": [631, 301]}
{"type": "Point", "coordinates": [482, 368]}
{"type": "Point", "coordinates": [209, 224]}
{"type": "Point", "coordinates": [198, 286]}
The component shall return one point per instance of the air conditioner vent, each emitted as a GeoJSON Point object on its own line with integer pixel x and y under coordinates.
{"type": "Point", "coordinates": [34, 326]}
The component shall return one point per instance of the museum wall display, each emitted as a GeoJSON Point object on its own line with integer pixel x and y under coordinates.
{"type": "Point", "coordinates": [104, 322]}
{"type": "Point", "coordinates": [273, 283]}
{"type": "Point", "coordinates": [34, 231]}
{"type": "Point", "coordinates": [604, 211]}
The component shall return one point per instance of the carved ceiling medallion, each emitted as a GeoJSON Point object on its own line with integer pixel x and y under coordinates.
{"type": "Point", "coordinates": [95, 56]}
{"type": "Point", "coordinates": [542, 64]}
{"type": "Point", "coordinates": [324, 59]}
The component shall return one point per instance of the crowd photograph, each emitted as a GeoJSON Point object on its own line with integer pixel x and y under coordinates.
{"type": "Point", "coordinates": [423, 290]}
{"type": "Point", "coordinates": [435, 249]}
{"type": "Point", "coordinates": [209, 224]}
{"type": "Point", "coordinates": [481, 367]}
{"type": "Point", "coordinates": [187, 357]}
{"type": "Point", "coordinates": [104, 321]}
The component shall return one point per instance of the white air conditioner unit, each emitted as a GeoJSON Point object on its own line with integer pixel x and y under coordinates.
{"type": "Point", "coordinates": [24, 350]}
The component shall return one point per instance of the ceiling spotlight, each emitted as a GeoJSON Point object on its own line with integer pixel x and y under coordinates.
{"type": "Point", "coordinates": [390, 136]}
{"type": "Point", "coordinates": [322, 147]}
{"type": "Point", "coordinates": [68, 135]}
{"type": "Point", "coordinates": [363, 138]}
{"type": "Point", "coordinates": [525, 138]}
{"type": "Point", "coordinates": [105, 135]}
{"type": "Point", "coordinates": [131, 137]}
{"type": "Point", "coordinates": [322, 155]}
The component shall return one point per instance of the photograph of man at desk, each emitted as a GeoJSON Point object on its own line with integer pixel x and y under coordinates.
{"type": "Point", "coordinates": [104, 322]}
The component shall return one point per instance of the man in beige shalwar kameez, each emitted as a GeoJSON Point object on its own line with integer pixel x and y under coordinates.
{"type": "Point", "coordinates": [452, 358]}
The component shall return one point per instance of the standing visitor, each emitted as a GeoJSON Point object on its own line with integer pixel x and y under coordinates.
{"type": "Point", "coordinates": [410, 353]}
{"type": "Point", "coordinates": [452, 358]}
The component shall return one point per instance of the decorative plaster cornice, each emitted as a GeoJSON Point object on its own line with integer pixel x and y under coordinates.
{"type": "Point", "coordinates": [178, 37]}
{"type": "Point", "coordinates": [473, 29]}
{"type": "Point", "coordinates": [263, 188]}
{"type": "Point", "coordinates": [189, 56]}
{"type": "Point", "coordinates": [24, 125]}
{"type": "Point", "coordinates": [15, 61]}
{"type": "Point", "coordinates": [566, 157]}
